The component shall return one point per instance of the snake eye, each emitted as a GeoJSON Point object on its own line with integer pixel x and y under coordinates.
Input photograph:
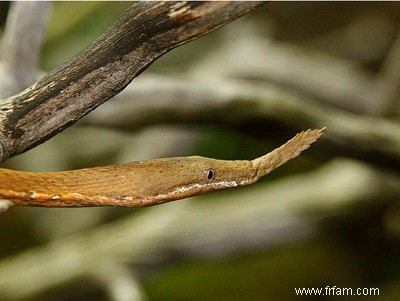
{"type": "Point", "coordinates": [209, 174]}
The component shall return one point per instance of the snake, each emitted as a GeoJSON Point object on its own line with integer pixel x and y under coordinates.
{"type": "Point", "coordinates": [144, 183]}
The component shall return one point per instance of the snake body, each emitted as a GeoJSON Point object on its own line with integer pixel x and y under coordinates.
{"type": "Point", "coordinates": [143, 183]}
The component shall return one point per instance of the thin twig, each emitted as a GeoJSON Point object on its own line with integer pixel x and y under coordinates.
{"type": "Point", "coordinates": [310, 72]}
{"type": "Point", "coordinates": [21, 45]}
{"type": "Point", "coordinates": [384, 92]}
{"type": "Point", "coordinates": [222, 101]}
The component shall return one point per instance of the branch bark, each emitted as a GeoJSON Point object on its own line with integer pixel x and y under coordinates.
{"type": "Point", "coordinates": [144, 32]}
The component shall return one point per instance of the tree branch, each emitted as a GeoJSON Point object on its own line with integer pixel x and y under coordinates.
{"type": "Point", "coordinates": [222, 101]}
{"type": "Point", "coordinates": [21, 45]}
{"type": "Point", "coordinates": [142, 34]}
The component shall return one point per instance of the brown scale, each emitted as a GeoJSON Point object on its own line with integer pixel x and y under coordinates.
{"type": "Point", "coordinates": [144, 183]}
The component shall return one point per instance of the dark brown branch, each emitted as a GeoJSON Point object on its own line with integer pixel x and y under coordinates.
{"type": "Point", "coordinates": [145, 32]}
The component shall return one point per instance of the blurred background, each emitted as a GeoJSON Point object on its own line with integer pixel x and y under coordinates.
{"type": "Point", "coordinates": [331, 217]}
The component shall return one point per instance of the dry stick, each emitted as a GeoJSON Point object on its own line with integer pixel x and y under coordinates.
{"type": "Point", "coordinates": [21, 44]}
{"type": "Point", "coordinates": [384, 91]}
{"type": "Point", "coordinates": [143, 183]}
{"type": "Point", "coordinates": [141, 35]}
{"type": "Point", "coordinates": [222, 101]}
